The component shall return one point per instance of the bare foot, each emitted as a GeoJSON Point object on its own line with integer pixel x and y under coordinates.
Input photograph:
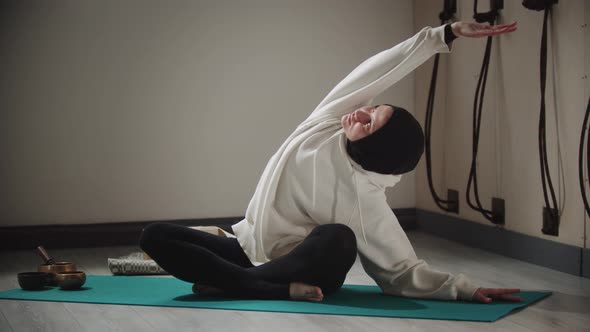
{"type": "Point", "coordinates": [207, 290]}
{"type": "Point", "coordinates": [305, 292]}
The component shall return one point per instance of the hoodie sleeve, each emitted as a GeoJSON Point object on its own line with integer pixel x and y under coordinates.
{"type": "Point", "coordinates": [381, 71]}
{"type": "Point", "coordinates": [388, 258]}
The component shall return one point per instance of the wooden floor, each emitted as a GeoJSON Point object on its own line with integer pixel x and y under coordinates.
{"type": "Point", "coordinates": [568, 309]}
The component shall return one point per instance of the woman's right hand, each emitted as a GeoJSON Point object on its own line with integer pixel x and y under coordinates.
{"type": "Point", "coordinates": [478, 30]}
{"type": "Point", "coordinates": [487, 295]}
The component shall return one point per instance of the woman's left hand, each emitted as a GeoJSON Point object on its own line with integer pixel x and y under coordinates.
{"type": "Point", "coordinates": [487, 295]}
{"type": "Point", "coordinates": [478, 30]}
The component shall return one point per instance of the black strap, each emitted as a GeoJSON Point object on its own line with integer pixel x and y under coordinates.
{"type": "Point", "coordinates": [545, 174]}
{"type": "Point", "coordinates": [477, 114]}
{"type": "Point", "coordinates": [489, 17]}
{"type": "Point", "coordinates": [581, 158]}
{"type": "Point", "coordinates": [445, 15]}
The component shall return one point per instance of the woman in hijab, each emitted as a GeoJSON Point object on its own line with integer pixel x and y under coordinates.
{"type": "Point", "coordinates": [321, 199]}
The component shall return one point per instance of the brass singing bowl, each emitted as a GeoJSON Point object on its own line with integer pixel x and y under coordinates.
{"type": "Point", "coordinates": [57, 267]}
{"type": "Point", "coordinates": [33, 280]}
{"type": "Point", "coordinates": [53, 269]}
{"type": "Point", "coordinates": [70, 280]}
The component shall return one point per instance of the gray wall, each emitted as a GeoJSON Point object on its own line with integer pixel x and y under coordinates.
{"type": "Point", "coordinates": [147, 110]}
{"type": "Point", "coordinates": [508, 165]}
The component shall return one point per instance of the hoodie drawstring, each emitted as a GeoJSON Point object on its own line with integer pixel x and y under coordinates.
{"type": "Point", "coordinates": [358, 202]}
{"type": "Point", "coordinates": [314, 180]}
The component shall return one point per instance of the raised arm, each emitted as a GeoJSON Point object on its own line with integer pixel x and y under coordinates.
{"type": "Point", "coordinates": [386, 68]}
{"type": "Point", "coordinates": [381, 71]}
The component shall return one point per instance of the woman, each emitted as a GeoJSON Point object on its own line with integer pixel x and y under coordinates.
{"type": "Point", "coordinates": [321, 199]}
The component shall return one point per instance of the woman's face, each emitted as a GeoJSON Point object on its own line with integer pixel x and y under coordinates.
{"type": "Point", "coordinates": [365, 121]}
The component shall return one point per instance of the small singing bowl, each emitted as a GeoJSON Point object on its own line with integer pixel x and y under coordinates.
{"type": "Point", "coordinates": [70, 280]}
{"type": "Point", "coordinates": [33, 280]}
{"type": "Point", "coordinates": [56, 268]}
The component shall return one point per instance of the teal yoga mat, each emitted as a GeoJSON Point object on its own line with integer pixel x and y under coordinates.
{"type": "Point", "coordinates": [351, 300]}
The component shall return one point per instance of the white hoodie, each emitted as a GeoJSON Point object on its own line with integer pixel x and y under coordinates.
{"type": "Point", "coordinates": [312, 181]}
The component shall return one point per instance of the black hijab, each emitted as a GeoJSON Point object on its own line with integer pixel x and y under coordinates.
{"type": "Point", "coordinates": [394, 148]}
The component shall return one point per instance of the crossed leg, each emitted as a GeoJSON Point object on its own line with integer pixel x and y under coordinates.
{"type": "Point", "coordinates": [322, 259]}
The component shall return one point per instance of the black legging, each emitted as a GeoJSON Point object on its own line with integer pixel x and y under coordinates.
{"type": "Point", "coordinates": [322, 259]}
